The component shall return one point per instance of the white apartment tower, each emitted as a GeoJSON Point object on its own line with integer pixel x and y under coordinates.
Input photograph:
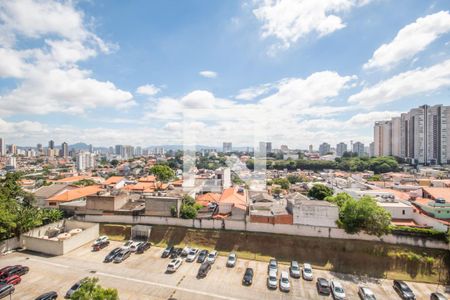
{"type": "Point", "coordinates": [421, 135]}
{"type": "Point", "coordinates": [382, 134]}
{"type": "Point", "coordinates": [341, 148]}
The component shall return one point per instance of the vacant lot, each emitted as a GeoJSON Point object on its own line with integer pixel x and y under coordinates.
{"type": "Point", "coordinates": [143, 277]}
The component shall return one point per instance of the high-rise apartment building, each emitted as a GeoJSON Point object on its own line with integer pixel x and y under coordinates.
{"type": "Point", "coordinates": [341, 148]}
{"type": "Point", "coordinates": [13, 149]}
{"type": "Point", "coordinates": [51, 144]}
{"type": "Point", "coordinates": [2, 147]}
{"type": "Point", "coordinates": [358, 148]}
{"type": "Point", "coordinates": [324, 148]}
{"type": "Point", "coordinates": [64, 152]}
{"type": "Point", "coordinates": [421, 135]}
{"type": "Point", "coordinates": [138, 151]}
{"type": "Point", "coordinates": [227, 147]}
{"type": "Point", "coordinates": [382, 134]}
{"type": "Point", "coordinates": [85, 161]}
{"type": "Point", "coordinates": [39, 148]}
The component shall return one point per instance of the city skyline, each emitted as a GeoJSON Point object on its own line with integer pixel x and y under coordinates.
{"type": "Point", "coordinates": [80, 76]}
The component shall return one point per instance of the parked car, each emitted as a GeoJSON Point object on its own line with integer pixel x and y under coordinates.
{"type": "Point", "coordinates": [365, 293]}
{"type": "Point", "coordinates": [248, 277]}
{"type": "Point", "coordinates": [323, 286]}
{"type": "Point", "coordinates": [73, 289]}
{"type": "Point", "coordinates": [48, 296]}
{"type": "Point", "coordinates": [134, 245]}
{"type": "Point", "coordinates": [307, 272]}
{"type": "Point", "coordinates": [192, 255]}
{"type": "Point", "coordinates": [111, 255]}
{"type": "Point", "coordinates": [403, 290]}
{"type": "Point", "coordinates": [127, 244]}
{"type": "Point", "coordinates": [18, 270]}
{"type": "Point", "coordinates": [337, 290]}
{"type": "Point", "coordinates": [212, 256]}
{"type": "Point", "coordinates": [202, 256]}
{"type": "Point", "coordinates": [285, 285]}
{"type": "Point", "coordinates": [100, 239]}
{"type": "Point", "coordinates": [231, 261]}
{"type": "Point", "coordinates": [144, 246]}
{"type": "Point", "coordinates": [185, 251]}
{"type": "Point", "coordinates": [13, 279]}
{"type": "Point", "coordinates": [272, 280]}
{"type": "Point", "coordinates": [294, 269]}
{"type": "Point", "coordinates": [122, 255]}
{"type": "Point", "coordinates": [174, 265]}
{"type": "Point", "coordinates": [437, 296]}
{"type": "Point", "coordinates": [204, 269]}
{"type": "Point", "coordinates": [273, 265]}
{"type": "Point", "coordinates": [5, 270]}
{"type": "Point", "coordinates": [99, 245]}
{"type": "Point", "coordinates": [6, 290]}
{"type": "Point", "coordinates": [176, 253]}
{"type": "Point", "coordinates": [167, 251]}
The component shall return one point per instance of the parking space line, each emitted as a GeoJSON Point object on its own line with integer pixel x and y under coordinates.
{"type": "Point", "coordinates": [166, 286]}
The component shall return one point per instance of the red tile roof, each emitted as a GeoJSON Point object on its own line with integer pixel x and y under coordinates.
{"type": "Point", "coordinates": [70, 195]}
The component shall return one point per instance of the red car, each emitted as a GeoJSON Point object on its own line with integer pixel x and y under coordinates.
{"type": "Point", "coordinates": [14, 279]}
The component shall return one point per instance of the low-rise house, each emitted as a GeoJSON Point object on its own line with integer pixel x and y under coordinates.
{"type": "Point", "coordinates": [206, 199]}
{"type": "Point", "coordinates": [233, 202]}
{"type": "Point", "coordinates": [45, 192]}
{"type": "Point", "coordinates": [72, 195]}
{"type": "Point", "coordinates": [265, 209]}
{"type": "Point", "coordinates": [114, 182]}
{"type": "Point", "coordinates": [312, 212]}
{"type": "Point", "coordinates": [160, 204]}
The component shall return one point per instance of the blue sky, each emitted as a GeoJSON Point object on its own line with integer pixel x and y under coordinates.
{"type": "Point", "coordinates": [308, 72]}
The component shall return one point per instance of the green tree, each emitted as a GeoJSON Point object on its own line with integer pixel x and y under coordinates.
{"type": "Point", "coordinates": [114, 162]}
{"type": "Point", "coordinates": [91, 290]}
{"type": "Point", "coordinates": [363, 215]}
{"type": "Point", "coordinates": [276, 191]}
{"type": "Point", "coordinates": [293, 179]}
{"type": "Point", "coordinates": [84, 182]}
{"type": "Point", "coordinates": [320, 191]}
{"type": "Point", "coordinates": [51, 215]}
{"type": "Point", "coordinates": [339, 198]}
{"type": "Point", "coordinates": [188, 211]}
{"type": "Point", "coordinates": [162, 172]}
{"type": "Point", "coordinates": [283, 182]}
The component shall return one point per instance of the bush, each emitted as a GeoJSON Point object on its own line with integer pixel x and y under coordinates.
{"type": "Point", "coordinates": [422, 232]}
{"type": "Point", "coordinates": [320, 191]}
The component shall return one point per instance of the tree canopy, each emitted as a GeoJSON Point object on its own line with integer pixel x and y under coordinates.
{"type": "Point", "coordinates": [361, 215]}
{"type": "Point", "coordinates": [91, 290]}
{"type": "Point", "coordinates": [320, 191]}
{"type": "Point", "coordinates": [162, 172]}
{"type": "Point", "coordinates": [17, 211]}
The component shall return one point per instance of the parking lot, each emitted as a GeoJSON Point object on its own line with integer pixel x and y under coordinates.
{"type": "Point", "coordinates": [142, 276]}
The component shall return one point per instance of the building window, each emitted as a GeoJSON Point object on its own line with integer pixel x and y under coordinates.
{"type": "Point", "coordinates": [403, 212]}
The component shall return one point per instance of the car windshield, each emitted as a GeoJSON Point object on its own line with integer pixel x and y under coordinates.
{"type": "Point", "coordinates": [272, 278]}
{"type": "Point", "coordinates": [405, 288]}
{"type": "Point", "coordinates": [338, 289]}
{"type": "Point", "coordinates": [323, 283]}
{"type": "Point", "coordinates": [284, 280]}
{"type": "Point", "coordinates": [294, 267]}
{"type": "Point", "coordinates": [211, 255]}
{"type": "Point", "coordinates": [307, 270]}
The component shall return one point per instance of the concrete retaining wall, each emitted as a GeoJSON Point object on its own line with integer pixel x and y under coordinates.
{"type": "Point", "coordinates": [9, 244]}
{"type": "Point", "coordinates": [300, 230]}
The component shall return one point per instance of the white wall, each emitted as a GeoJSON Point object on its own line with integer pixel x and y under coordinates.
{"type": "Point", "coordinates": [300, 230]}
{"type": "Point", "coordinates": [9, 244]}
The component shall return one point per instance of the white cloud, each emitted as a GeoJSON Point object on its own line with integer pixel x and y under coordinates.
{"type": "Point", "coordinates": [410, 40]}
{"type": "Point", "coordinates": [290, 20]}
{"type": "Point", "coordinates": [48, 78]}
{"type": "Point", "coordinates": [298, 93]}
{"type": "Point", "coordinates": [208, 74]}
{"type": "Point", "coordinates": [253, 92]}
{"type": "Point", "coordinates": [148, 89]}
{"type": "Point", "coordinates": [405, 84]}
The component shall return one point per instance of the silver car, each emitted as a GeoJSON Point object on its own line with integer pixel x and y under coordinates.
{"type": "Point", "coordinates": [272, 280]}
{"type": "Point", "coordinates": [231, 261]}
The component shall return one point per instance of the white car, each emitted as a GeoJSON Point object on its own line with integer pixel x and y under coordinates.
{"type": "Point", "coordinates": [212, 257]}
{"type": "Point", "coordinates": [134, 246]}
{"type": "Point", "coordinates": [185, 251]}
{"type": "Point", "coordinates": [127, 244]}
{"type": "Point", "coordinates": [307, 272]}
{"type": "Point", "coordinates": [231, 261]}
{"type": "Point", "coordinates": [337, 290]}
{"type": "Point", "coordinates": [272, 280]}
{"type": "Point", "coordinates": [174, 265]}
{"type": "Point", "coordinates": [285, 286]}
{"type": "Point", "coordinates": [100, 239]}
{"type": "Point", "coordinates": [192, 255]}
